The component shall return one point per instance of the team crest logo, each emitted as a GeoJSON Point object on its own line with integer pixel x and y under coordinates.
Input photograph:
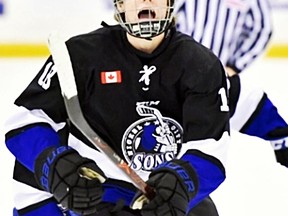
{"type": "Point", "coordinates": [151, 140]}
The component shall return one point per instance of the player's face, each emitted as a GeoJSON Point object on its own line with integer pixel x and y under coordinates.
{"type": "Point", "coordinates": [143, 10]}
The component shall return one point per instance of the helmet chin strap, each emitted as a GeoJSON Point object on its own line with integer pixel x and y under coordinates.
{"type": "Point", "coordinates": [146, 29]}
{"type": "Point", "coordinates": [167, 32]}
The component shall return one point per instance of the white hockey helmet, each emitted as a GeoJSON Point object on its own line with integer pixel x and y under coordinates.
{"type": "Point", "coordinates": [150, 25]}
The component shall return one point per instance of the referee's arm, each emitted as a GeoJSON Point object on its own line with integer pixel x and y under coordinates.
{"type": "Point", "coordinates": [256, 33]}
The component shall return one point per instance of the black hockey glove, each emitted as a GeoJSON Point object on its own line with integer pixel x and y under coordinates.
{"type": "Point", "coordinates": [280, 144]}
{"type": "Point", "coordinates": [72, 179]}
{"type": "Point", "coordinates": [175, 183]}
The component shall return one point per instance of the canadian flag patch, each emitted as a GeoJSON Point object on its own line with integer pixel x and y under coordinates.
{"type": "Point", "coordinates": [111, 77]}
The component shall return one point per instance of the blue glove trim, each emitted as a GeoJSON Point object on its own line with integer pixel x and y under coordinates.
{"type": "Point", "coordinates": [49, 161]}
{"type": "Point", "coordinates": [27, 145]}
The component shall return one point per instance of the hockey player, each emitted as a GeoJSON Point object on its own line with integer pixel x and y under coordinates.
{"type": "Point", "coordinates": [156, 96]}
{"type": "Point", "coordinates": [238, 32]}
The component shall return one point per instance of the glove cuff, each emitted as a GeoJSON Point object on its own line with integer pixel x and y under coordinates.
{"type": "Point", "coordinates": [183, 171]}
{"type": "Point", "coordinates": [46, 162]}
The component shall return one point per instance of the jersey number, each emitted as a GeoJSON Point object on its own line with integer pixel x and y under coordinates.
{"type": "Point", "coordinates": [45, 79]}
{"type": "Point", "coordinates": [224, 107]}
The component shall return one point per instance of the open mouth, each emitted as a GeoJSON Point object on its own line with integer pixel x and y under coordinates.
{"type": "Point", "coordinates": [146, 14]}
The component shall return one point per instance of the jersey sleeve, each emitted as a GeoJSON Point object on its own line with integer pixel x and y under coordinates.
{"type": "Point", "coordinates": [36, 118]}
{"type": "Point", "coordinates": [255, 35]}
{"type": "Point", "coordinates": [206, 128]}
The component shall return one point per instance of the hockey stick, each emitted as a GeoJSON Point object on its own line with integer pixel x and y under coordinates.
{"type": "Point", "coordinates": [69, 91]}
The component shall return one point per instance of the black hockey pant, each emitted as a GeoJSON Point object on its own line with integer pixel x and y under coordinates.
{"type": "Point", "coordinates": [205, 208]}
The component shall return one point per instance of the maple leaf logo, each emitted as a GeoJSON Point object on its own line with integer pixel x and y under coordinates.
{"type": "Point", "coordinates": [111, 77]}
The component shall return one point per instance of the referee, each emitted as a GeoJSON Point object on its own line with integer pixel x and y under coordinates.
{"type": "Point", "coordinates": [236, 31]}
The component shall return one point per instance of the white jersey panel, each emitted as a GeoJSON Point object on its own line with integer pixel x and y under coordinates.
{"type": "Point", "coordinates": [217, 149]}
{"type": "Point", "coordinates": [26, 195]}
{"type": "Point", "coordinates": [20, 117]}
{"type": "Point", "coordinates": [250, 94]}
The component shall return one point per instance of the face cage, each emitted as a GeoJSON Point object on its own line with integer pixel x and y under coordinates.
{"type": "Point", "coordinates": [146, 29]}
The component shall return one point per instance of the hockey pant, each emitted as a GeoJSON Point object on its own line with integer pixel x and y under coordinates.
{"type": "Point", "coordinates": [254, 114]}
{"type": "Point", "coordinates": [204, 208]}
{"type": "Point", "coordinates": [49, 207]}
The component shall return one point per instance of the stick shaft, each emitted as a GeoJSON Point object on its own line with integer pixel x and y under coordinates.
{"type": "Point", "coordinates": [68, 86]}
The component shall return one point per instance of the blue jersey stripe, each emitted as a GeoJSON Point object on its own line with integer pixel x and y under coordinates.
{"type": "Point", "coordinates": [27, 145]}
{"type": "Point", "coordinates": [268, 122]}
{"type": "Point", "coordinates": [206, 185]}
{"type": "Point", "coordinates": [47, 209]}
{"type": "Point", "coordinates": [1, 7]}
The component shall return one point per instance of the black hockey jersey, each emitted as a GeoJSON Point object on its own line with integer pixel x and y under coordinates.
{"type": "Point", "coordinates": [150, 108]}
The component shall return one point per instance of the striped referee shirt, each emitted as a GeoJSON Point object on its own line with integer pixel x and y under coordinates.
{"type": "Point", "coordinates": [237, 31]}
